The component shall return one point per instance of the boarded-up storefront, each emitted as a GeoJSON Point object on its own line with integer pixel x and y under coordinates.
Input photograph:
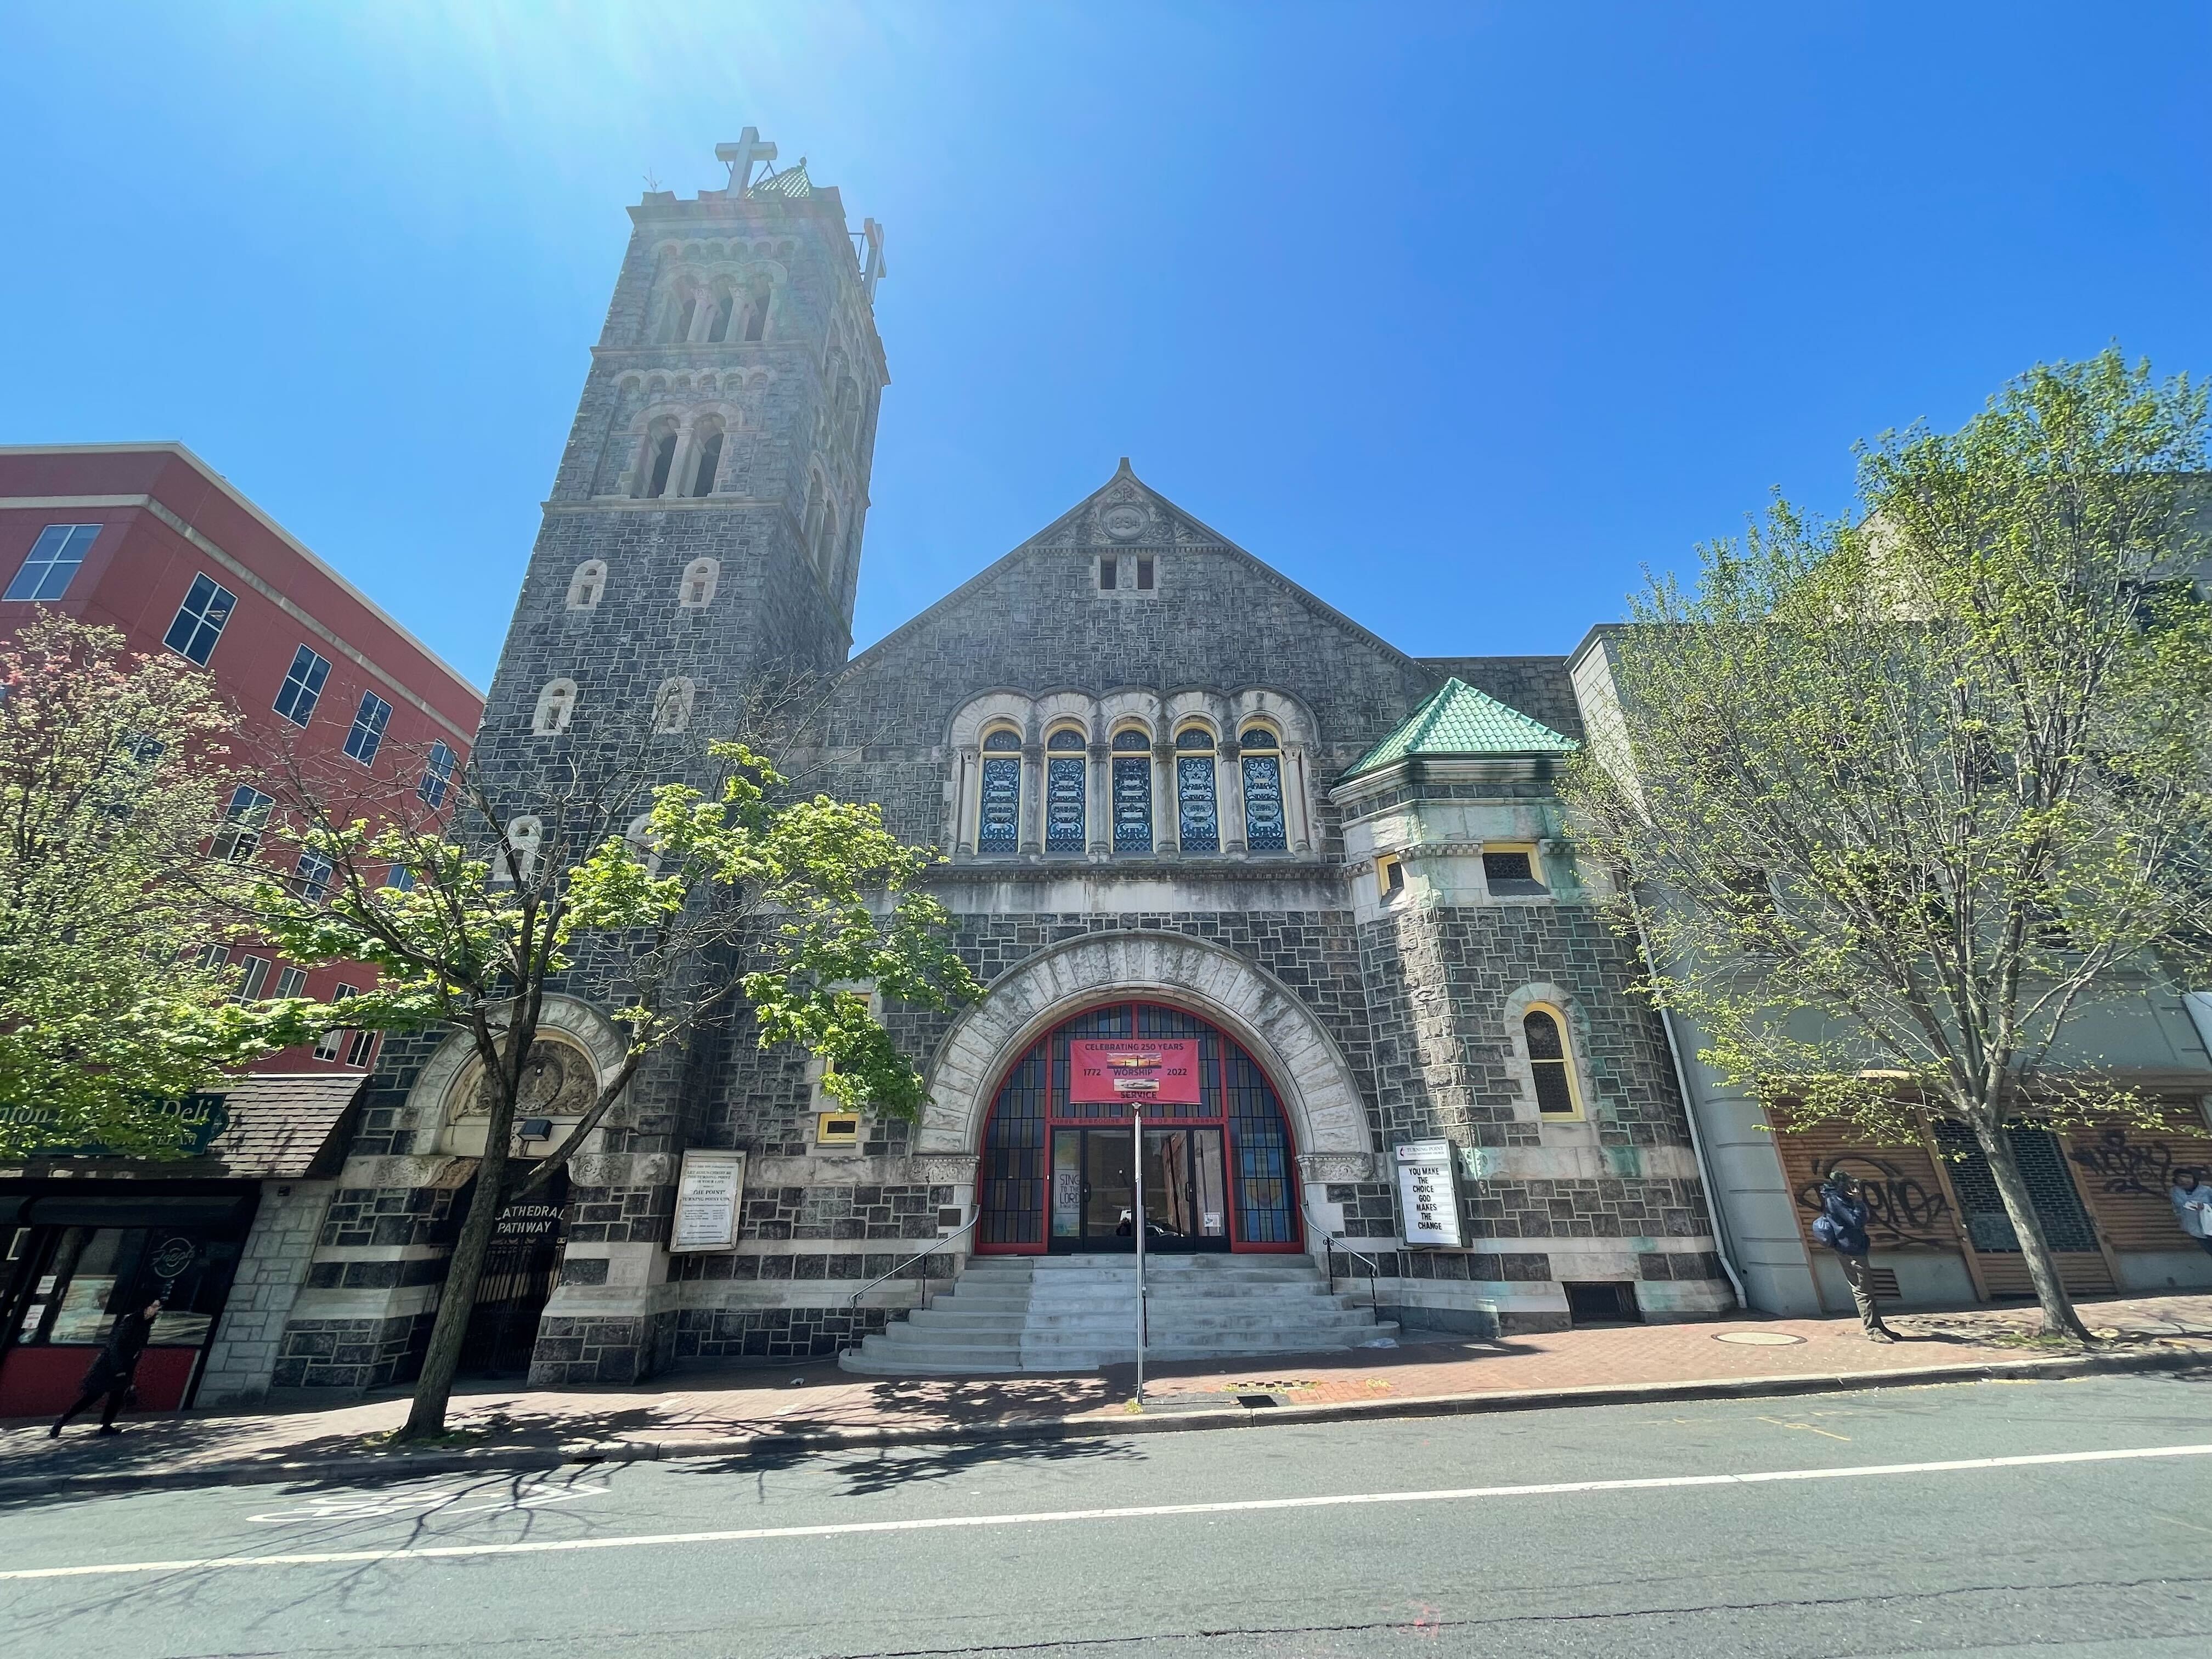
{"type": "Point", "coordinates": [1938, 1228]}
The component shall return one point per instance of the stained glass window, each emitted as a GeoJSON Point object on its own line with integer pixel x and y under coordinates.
{"type": "Point", "coordinates": [1133, 792]}
{"type": "Point", "coordinates": [998, 824]}
{"type": "Point", "coordinates": [1198, 824]}
{"type": "Point", "coordinates": [1065, 764]}
{"type": "Point", "coordinates": [1265, 828]}
{"type": "Point", "coordinates": [1548, 1063]}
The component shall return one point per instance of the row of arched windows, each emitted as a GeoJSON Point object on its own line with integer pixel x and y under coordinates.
{"type": "Point", "coordinates": [695, 591]}
{"type": "Point", "coordinates": [1211, 802]}
{"type": "Point", "coordinates": [717, 311]}
{"type": "Point", "coordinates": [556, 706]}
{"type": "Point", "coordinates": [678, 458]}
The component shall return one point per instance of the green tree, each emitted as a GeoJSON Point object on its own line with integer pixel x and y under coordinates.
{"type": "Point", "coordinates": [1896, 800]}
{"type": "Point", "coordinates": [116, 870]}
{"type": "Point", "coordinates": [670, 905]}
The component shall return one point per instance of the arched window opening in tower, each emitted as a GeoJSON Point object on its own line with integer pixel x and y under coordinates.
{"type": "Point", "coordinates": [1265, 828]}
{"type": "Point", "coordinates": [1066, 767]}
{"type": "Point", "coordinates": [724, 313]}
{"type": "Point", "coordinates": [700, 577]}
{"type": "Point", "coordinates": [557, 703]}
{"type": "Point", "coordinates": [823, 555]}
{"type": "Point", "coordinates": [659, 455]}
{"type": "Point", "coordinates": [756, 312]}
{"type": "Point", "coordinates": [1198, 822]}
{"type": "Point", "coordinates": [1549, 1064]}
{"type": "Point", "coordinates": [1133, 790]}
{"type": "Point", "coordinates": [524, 835]}
{"type": "Point", "coordinates": [587, 584]}
{"type": "Point", "coordinates": [671, 706]}
{"type": "Point", "coordinates": [710, 456]}
{"type": "Point", "coordinates": [685, 312]}
{"type": "Point", "coordinates": [998, 801]}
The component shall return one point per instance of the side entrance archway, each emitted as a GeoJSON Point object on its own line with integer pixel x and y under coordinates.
{"type": "Point", "coordinates": [1060, 1157]}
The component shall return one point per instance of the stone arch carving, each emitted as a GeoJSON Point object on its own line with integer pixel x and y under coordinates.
{"type": "Point", "coordinates": [434, 1102]}
{"type": "Point", "coordinates": [1328, 1116]}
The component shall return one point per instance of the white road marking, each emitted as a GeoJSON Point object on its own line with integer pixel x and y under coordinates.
{"type": "Point", "coordinates": [372, 1508]}
{"type": "Point", "coordinates": [1049, 1517]}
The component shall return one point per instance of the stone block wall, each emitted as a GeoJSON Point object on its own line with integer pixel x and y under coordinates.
{"type": "Point", "coordinates": [274, 1265]}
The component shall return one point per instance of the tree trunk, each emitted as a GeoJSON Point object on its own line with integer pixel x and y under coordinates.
{"type": "Point", "coordinates": [2059, 1318]}
{"type": "Point", "coordinates": [457, 1301]}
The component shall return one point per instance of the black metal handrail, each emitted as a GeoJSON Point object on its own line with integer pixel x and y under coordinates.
{"type": "Point", "coordinates": [921, 1290]}
{"type": "Point", "coordinates": [1331, 1243]}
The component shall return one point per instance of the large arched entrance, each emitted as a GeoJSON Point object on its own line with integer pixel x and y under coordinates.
{"type": "Point", "coordinates": [1059, 1154]}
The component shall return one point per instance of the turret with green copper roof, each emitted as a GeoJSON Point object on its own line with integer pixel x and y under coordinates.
{"type": "Point", "coordinates": [1458, 720]}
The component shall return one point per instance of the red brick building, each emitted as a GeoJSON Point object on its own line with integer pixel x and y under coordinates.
{"type": "Point", "coordinates": [149, 540]}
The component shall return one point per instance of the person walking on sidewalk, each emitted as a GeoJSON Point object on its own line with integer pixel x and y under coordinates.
{"type": "Point", "coordinates": [2192, 1206]}
{"type": "Point", "coordinates": [1842, 1226]}
{"type": "Point", "coordinates": [111, 1372]}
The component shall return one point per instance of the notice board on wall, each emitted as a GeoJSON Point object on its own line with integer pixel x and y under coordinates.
{"type": "Point", "coordinates": [709, 1193]}
{"type": "Point", "coordinates": [1140, 1069]}
{"type": "Point", "coordinates": [1428, 1194]}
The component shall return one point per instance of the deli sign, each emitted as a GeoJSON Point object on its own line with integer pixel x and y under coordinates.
{"type": "Point", "coordinates": [1140, 1069]}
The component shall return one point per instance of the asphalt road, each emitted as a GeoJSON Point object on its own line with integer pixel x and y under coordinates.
{"type": "Point", "coordinates": [1216, 1546]}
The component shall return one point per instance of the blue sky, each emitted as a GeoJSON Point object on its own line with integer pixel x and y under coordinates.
{"type": "Point", "coordinates": [1458, 315]}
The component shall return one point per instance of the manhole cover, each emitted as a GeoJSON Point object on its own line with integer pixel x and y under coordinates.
{"type": "Point", "coordinates": [1758, 1339]}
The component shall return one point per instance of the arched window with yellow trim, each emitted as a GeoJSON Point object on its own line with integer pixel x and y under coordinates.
{"type": "Point", "coordinates": [999, 802]}
{"type": "Point", "coordinates": [1551, 1065]}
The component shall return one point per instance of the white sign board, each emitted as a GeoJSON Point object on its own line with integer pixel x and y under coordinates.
{"type": "Point", "coordinates": [708, 1193]}
{"type": "Point", "coordinates": [1427, 1194]}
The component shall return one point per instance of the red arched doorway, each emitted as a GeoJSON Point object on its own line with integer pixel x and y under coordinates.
{"type": "Point", "coordinates": [1057, 1172]}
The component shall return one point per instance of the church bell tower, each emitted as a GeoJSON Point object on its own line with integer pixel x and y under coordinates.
{"type": "Point", "coordinates": [705, 523]}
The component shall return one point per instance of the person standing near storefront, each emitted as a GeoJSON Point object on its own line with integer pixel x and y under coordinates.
{"type": "Point", "coordinates": [111, 1372]}
{"type": "Point", "coordinates": [1842, 1227]}
{"type": "Point", "coordinates": [2192, 1207]}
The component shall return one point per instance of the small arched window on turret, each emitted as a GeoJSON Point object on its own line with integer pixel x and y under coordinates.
{"type": "Point", "coordinates": [708, 446]}
{"type": "Point", "coordinates": [671, 705]}
{"type": "Point", "coordinates": [1132, 791]}
{"type": "Point", "coordinates": [700, 577]}
{"type": "Point", "coordinates": [999, 802]}
{"type": "Point", "coordinates": [556, 705]}
{"type": "Point", "coordinates": [1265, 829]}
{"type": "Point", "coordinates": [1198, 824]}
{"type": "Point", "coordinates": [1551, 1066]}
{"type": "Point", "coordinates": [588, 586]}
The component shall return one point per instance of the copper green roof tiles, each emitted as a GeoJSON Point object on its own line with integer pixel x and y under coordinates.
{"type": "Point", "coordinates": [1458, 720]}
{"type": "Point", "coordinates": [792, 181]}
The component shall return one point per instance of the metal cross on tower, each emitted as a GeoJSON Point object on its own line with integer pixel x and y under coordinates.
{"type": "Point", "coordinates": [742, 155]}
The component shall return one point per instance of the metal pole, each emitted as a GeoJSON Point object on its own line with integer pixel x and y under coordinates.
{"type": "Point", "coordinates": [1137, 1141]}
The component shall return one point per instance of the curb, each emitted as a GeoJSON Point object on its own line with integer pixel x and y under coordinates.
{"type": "Point", "coordinates": [496, 1460]}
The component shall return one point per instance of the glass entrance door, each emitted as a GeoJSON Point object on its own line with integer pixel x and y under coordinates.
{"type": "Point", "coordinates": [1094, 1196]}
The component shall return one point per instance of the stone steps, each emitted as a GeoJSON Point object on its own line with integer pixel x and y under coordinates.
{"type": "Point", "coordinates": [1077, 1313]}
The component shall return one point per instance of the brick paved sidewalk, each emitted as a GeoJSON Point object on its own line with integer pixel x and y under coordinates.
{"type": "Point", "coordinates": [734, 1405]}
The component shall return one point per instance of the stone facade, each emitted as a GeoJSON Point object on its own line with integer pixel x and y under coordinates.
{"type": "Point", "coordinates": [704, 527]}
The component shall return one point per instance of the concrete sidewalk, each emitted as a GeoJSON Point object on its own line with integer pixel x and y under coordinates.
{"type": "Point", "coordinates": [794, 1409]}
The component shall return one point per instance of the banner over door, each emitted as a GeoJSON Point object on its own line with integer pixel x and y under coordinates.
{"type": "Point", "coordinates": [1163, 1069]}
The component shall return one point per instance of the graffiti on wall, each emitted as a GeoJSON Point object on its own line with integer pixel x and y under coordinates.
{"type": "Point", "coordinates": [1901, 1209]}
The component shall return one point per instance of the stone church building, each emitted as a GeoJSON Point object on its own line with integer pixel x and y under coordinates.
{"type": "Point", "coordinates": [1183, 801]}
